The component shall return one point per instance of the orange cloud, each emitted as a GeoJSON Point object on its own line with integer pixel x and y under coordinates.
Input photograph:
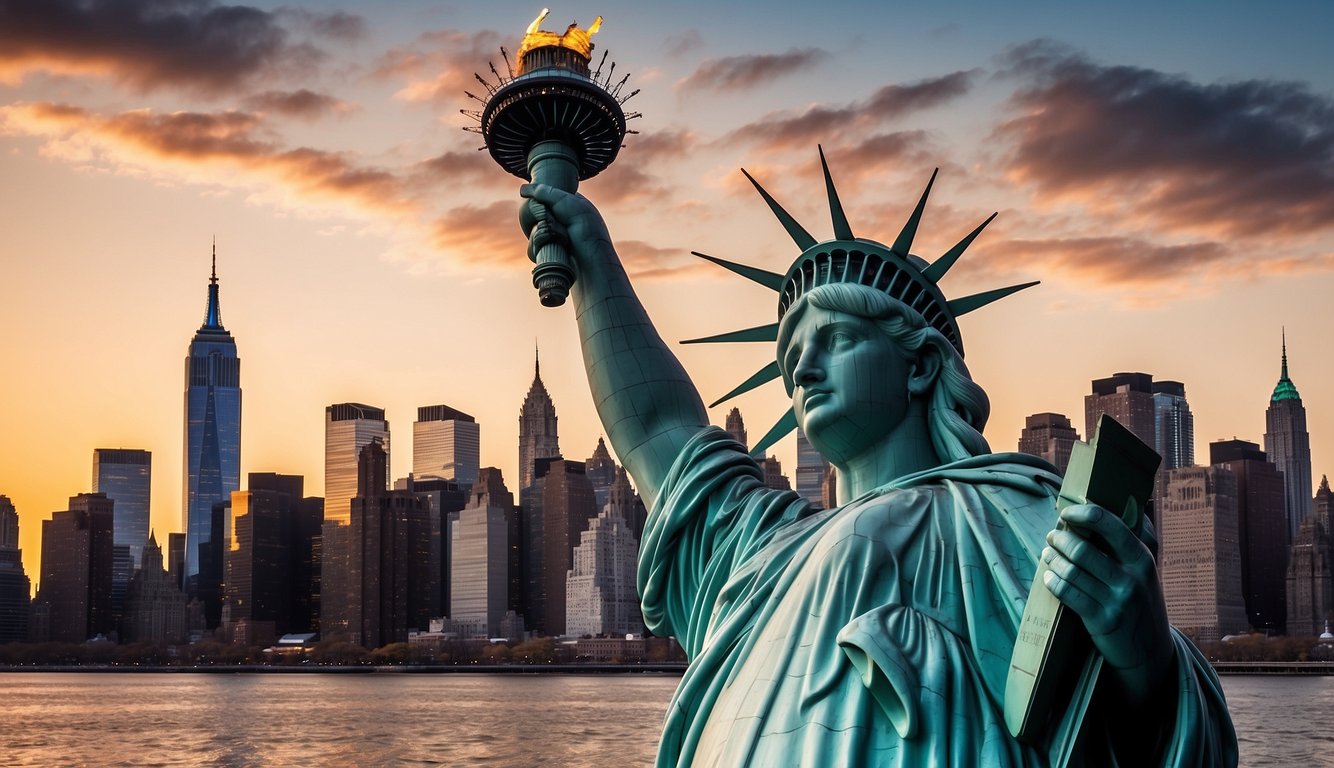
{"type": "Point", "coordinates": [438, 67]}
{"type": "Point", "coordinates": [739, 73]}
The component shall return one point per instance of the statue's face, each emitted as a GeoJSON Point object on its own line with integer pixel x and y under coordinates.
{"type": "Point", "coordinates": [849, 382]}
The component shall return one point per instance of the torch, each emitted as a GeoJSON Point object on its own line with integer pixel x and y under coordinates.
{"type": "Point", "coordinates": [553, 122]}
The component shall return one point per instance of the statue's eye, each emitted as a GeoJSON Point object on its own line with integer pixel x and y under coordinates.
{"type": "Point", "coordinates": [841, 339]}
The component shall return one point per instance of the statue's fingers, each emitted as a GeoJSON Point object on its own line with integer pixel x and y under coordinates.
{"type": "Point", "coordinates": [1074, 547]}
{"type": "Point", "coordinates": [543, 193]}
{"type": "Point", "coordinates": [1090, 583]}
{"type": "Point", "coordinates": [1093, 520]}
{"type": "Point", "coordinates": [1076, 599]}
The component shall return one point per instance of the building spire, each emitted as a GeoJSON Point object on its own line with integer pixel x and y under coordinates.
{"type": "Point", "coordinates": [1285, 389]}
{"type": "Point", "coordinates": [213, 315]}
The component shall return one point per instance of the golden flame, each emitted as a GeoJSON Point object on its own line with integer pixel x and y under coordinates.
{"type": "Point", "coordinates": [574, 38]}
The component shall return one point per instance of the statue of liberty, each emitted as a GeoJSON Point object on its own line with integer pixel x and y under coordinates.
{"type": "Point", "coordinates": [878, 632]}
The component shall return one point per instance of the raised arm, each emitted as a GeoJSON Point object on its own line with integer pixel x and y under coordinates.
{"type": "Point", "coordinates": [647, 403]}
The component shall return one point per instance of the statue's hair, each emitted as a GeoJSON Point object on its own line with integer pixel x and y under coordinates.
{"type": "Point", "coordinates": [957, 408]}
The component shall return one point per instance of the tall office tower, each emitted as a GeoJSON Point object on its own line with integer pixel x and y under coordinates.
{"type": "Point", "coordinates": [76, 569]}
{"type": "Point", "coordinates": [601, 471]}
{"type": "Point", "coordinates": [270, 559]}
{"type": "Point", "coordinates": [176, 558]}
{"type": "Point", "coordinates": [348, 427]}
{"type": "Point", "coordinates": [811, 469]}
{"type": "Point", "coordinates": [623, 498]}
{"type": "Point", "coordinates": [1289, 445]}
{"type": "Point", "coordinates": [212, 433]}
{"type": "Point", "coordinates": [443, 499]}
{"type": "Point", "coordinates": [1311, 569]}
{"type": "Point", "coordinates": [1263, 531]}
{"type": "Point", "coordinates": [773, 474]}
{"type": "Point", "coordinates": [14, 584]}
{"type": "Point", "coordinates": [480, 568]}
{"type": "Point", "coordinates": [1126, 397]}
{"type": "Point", "coordinates": [1173, 425]}
{"type": "Point", "coordinates": [560, 506]}
{"type": "Point", "coordinates": [600, 596]}
{"type": "Point", "coordinates": [736, 427]}
{"type": "Point", "coordinates": [125, 476]}
{"type": "Point", "coordinates": [1049, 436]}
{"type": "Point", "coordinates": [446, 443]}
{"type": "Point", "coordinates": [1201, 554]}
{"type": "Point", "coordinates": [537, 431]}
{"type": "Point", "coordinates": [388, 564]}
{"type": "Point", "coordinates": [154, 606]}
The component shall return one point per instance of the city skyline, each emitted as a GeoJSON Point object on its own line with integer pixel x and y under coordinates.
{"type": "Point", "coordinates": [370, 254]}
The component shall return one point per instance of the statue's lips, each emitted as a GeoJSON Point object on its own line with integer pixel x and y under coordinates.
{"type": "Point", "coordinates": [813, 398]}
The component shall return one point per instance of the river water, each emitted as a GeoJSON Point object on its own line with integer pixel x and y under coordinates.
{"type": "Point", "coordinates": [97, 719]}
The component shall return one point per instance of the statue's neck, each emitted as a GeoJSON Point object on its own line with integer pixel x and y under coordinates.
{"type": "Point", "coordinates": [904, 451]}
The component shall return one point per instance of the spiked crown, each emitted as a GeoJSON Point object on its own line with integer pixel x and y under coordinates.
{"type": "Point", "coordinates": [892, 270]}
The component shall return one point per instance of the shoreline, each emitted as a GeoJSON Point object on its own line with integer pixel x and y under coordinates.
{"type": "Point", "coordinates": [365, 669]}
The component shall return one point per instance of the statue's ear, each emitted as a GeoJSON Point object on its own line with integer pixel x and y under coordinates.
{"type": "Point", "coordinates": [923, 368]}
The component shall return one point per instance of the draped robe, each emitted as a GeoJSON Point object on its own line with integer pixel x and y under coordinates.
{"type": "Point", "coordinates": [875, 633]}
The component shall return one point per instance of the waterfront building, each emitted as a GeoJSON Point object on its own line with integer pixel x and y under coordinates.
{"type": "Point", "coordinates": [212, 441]}
{"type": "Point", "coordinates": [75, 589]}
{"type": "Point", "coordinates": [600, 595]}
{"type": "Point", "coordinates": [270, 559]}
{"type": "Point", "coordinates": [15, 586]}
{"type": "Point", "coordinates": [1262, 532]}
{"type": "Point", "coordinates": [1288, 445]}
{"type": "Point", "coordinates": [558, 509]}
{"type": "Point", "coordinates": [446, 444]}
{"type": "Point", "coordinates": [538, 438]}
{"type": "Point", "coordinates": [125, 475]}
{"type": "Point", "coordinates": [1049, 436]}
{"type": "Point", "coordinates": [1155, 412]}
{"type": "Point", "coordinates": [348, 428]}
{"type": "Point", "coordinates": [155, 607]}
{"type": "Point", "coordinates": [482, 558]}
{"type": "Point", "coordinates": [388, 563]}
{"type": "Point", "coordinates": [1310, 587]}
{"type": "Point", "coordinates": [443, 500]}
{"type": "Point", "coordinates": [1200, 559]}
{"type": "Point", "coordinates": [811, 469]}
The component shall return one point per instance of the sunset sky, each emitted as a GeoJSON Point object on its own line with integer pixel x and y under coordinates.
{"type": "Point", "coordinates": [1167, 173]}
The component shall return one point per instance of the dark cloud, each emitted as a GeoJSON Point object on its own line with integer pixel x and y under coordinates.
{"type": "Point", "coordinates": [1232, 159]}
{"type": "Point", "coordinates": [1110, 261]}
{"type": "Point", "coordinates": [337, 25]}
{"type": "Point", "coordinates": [147, 44]}
{"type": "Point", "coordinates": [300, 103]}
{"type": "Point", "coordinates": [738, 73]}
{"type": "Point", "coordinates": [824, 123]}
{"type": "Point", "coordinates": [683, 43]}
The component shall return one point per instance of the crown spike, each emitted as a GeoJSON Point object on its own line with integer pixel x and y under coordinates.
{"type": "Point", "coordinates": [842, 230]}
{"type": "Point", "coordinates": [903, 243]}
{"type": "Point", "coordinates": [771, 280]}
{"type": "Point", "coordinates": [758, 333]}
{"type": "Point", "coordinates": [966, 304]}
{"type": "Point", "coordinates": [798, 233]}
{"type": "Point", "coordinates": [940, 266]}
{"type": "Point", "coordinates": [763, 376]}
{"type": "Point", "coordinates": [785, 426]}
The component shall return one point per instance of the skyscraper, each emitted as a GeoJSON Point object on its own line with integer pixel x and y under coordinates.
{"type": "Point", "coordinates": [1173, 425]}
{"type": "Point", "coordinates": [348, 427]}
{"type": "Point", "coordinates": [558, 510]}
{"type": "Point", "coordinates": [1289, 445]}
{"type": "Point", "coordinates": [125, 475]}
{"type": "Point", "coordinates": [388, 563]}
{"type": "Point", "coordinates": [601, 471]}
{"type": "Point", "coordinates": [811, 469]}
{"type": "Point", "coordinates": [14, 584]}
{"type": "Point", "coordinates": [481, 547]}
{"type": "Point", "coordinates": [76, 569]}
{"type": "Point", "coordinates": [600, 596]}
{"type": "Point", "coordinates": [268, 559]}
{"type": "Point", "coordinates": [1262, 530]}
{"type": "Point", "coordinates": [1049, 436]}
{"type": "Point", "coordinates": [1201, 553]}
{"type": "Point", "coordinates": [1311, 569]}
{"type": "Point", "coordinates": [537, 430]}
{"type": "Point", "coordinates": [445, 444]}
{"type": "Point", "coordinates": [154, 606]}
{"type": "Point", "coordinates": [212, 432]}
{"type": "Point", "coordinates": [736, 427]}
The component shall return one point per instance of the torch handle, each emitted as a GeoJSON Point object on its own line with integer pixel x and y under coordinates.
{"type": "Point", "coordinates": [556, 164]}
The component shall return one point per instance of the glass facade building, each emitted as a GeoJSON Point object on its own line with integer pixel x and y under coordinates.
{"type": "Point", "coordinates": [212, 439]}
{"type": "Point", "coordinates": [125, 476]}
{"type": "Point", "coordinates": [446, 443]}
